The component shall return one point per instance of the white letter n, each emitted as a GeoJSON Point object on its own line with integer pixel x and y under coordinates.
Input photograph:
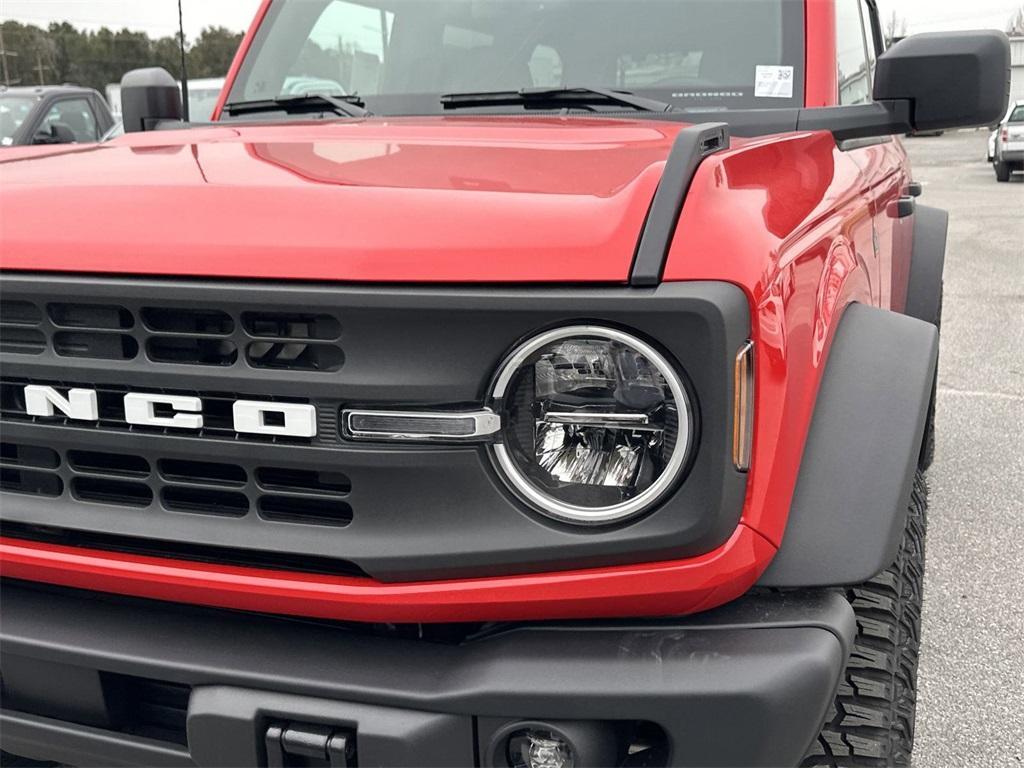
{"type": "Point", "coordinates": [80, 404]}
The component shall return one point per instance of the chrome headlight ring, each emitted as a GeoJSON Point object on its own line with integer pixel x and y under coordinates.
{"type": "Point", "coordinates": [657, 369]}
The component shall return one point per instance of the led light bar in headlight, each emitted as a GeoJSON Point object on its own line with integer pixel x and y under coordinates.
{"type": "Point", "coordinates": [596, 424]}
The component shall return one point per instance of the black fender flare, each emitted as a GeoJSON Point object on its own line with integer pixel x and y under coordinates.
{"type": "Point", "coordinates": [850, 504]}
{"type": "Point", "coordinates": [927, 262]}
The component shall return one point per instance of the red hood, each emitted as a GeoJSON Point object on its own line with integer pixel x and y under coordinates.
{"type": "Point", "coordinates": [437, 199]}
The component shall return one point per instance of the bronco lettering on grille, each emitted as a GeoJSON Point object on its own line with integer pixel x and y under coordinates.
{"type": "Point", "coordinates": [182, 412]}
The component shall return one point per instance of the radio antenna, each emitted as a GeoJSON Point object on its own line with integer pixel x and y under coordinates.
{"type": "Point", "coordinates": [184, 70]}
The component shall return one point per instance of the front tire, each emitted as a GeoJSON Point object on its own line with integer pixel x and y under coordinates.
{"type": "Point", "coordinates": [871, 723]}
{"type": "Point", "coordinates": [1002, 171]}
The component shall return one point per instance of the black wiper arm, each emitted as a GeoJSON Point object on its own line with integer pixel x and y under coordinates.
{"type": "Point", "coordinates": [349, 106]}
{"type": "Point", "coordinates": [553, 98]}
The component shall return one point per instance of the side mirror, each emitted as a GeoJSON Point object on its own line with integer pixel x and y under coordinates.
{"type": "Point", "coordinates": [928, 82]}
{"type": "Point", "coordinates": [58, 134]}
{"type": "Point", "coordinates": [149, 96]}
{"type": "Point", "coordinates": [952, 79]}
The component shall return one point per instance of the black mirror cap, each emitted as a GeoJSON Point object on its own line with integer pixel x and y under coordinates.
{"type": "Point", "coordinates": [952, 79]}
{"type": "Point", "coordinates": [149, 96]}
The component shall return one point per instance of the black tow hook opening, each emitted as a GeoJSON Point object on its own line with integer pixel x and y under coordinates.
{"type": "Point", "coordinates": [291, 745]}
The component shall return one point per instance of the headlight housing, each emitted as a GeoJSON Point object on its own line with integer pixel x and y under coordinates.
{"type": "Point", "coordinates": [597, 425]}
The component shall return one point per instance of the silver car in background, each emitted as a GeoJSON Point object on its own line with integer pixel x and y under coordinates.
{"type": "Point", "coordinates": [1006, 145]}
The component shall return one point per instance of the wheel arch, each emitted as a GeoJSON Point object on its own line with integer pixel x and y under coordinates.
{"type": "Point", "coordinates": [927, 262]}
{"type": "Point", "coordinates": [861, 455]}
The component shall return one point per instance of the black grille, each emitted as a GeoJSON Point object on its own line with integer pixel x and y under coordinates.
{"type": "Point", "coordinates": [310, 497]}
{"type": "Point", "coordinates": [98, 316]}
{"type": "Point", "coordinates": [13, 312]}
{"type": "Point", "coordinates": [403, 512]}
{"type": "Point", "coordinates": [173, 335]}
{"type": "Point", "coordinates": [30, 482]}
{"type": "Point", "coordinates": [22, 341]}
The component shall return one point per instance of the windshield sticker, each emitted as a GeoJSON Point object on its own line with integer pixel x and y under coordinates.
{"type": "Point", "coordinates": [773, 82]}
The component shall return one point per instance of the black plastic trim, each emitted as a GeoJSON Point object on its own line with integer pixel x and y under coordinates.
{"type": "Point", "coordinates": [43, 738]}
{"type": "Point", "coordinates": [225, 723]}
{"type": "Point", "coordinates": [861, 455]}
{"type": "Point", "coordinates": [928, 261]}
{"type": "Point", "coordinates": [691, 146]}
{"type": "Point", "coordinates": [746, 685]}
{"type": "Point", "coordinates": [862, 121]}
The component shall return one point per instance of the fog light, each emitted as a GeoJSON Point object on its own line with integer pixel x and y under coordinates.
{"type": "Point", "coordinates": [556, 744]}
{"type": "Point", "coordinates": [539, 749]}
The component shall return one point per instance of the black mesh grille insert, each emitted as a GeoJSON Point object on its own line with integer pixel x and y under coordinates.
{"type": "Point", "coordinates": [201, 321]}
{"type": "Point", "coordinates": [284, 325]}
{"type": "Point", "coordinates": [295, 356]}
{"type": "Point", "coordinates": [303, 480]}
{"type": "Point", "coordinates": [14, 312]}
{"type": "Point", "coordinates": [184, 471]}
{"type": "Point", "coordinates": [97, 462]}
{"type": "Point", "coordinates": [30, 482]}
{"type": "Point", "coordinates": [28, 456]}
{"type": "Point", "coordinates": [120, 493]}
{"type": "Point", "coordinates": [309, 510]}
{"type": "Point", "coordinates": [94, 316]}
{"type": "Point", "coordinates": [96, 345]}
{"type": "Point", "coordinates": [205, 501]}
{"type": "Point", "coordinates": [188, 351]}
{"type": "Point", "coordinates": [180, 335]}
{"type": "Point", "coordinates": [280, 494]}
{"type": "Point", "coordinates": [22, 341]}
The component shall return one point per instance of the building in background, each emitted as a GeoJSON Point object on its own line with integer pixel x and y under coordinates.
{"type": "Point", "coordinates": [1017, 68]}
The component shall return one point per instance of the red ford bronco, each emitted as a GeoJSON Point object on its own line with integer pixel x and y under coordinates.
{"type": "Point", "coordinates": [539, 384]}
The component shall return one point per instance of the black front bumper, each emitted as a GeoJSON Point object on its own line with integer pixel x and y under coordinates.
{"type": "Point", "coordinates": [745, 685]}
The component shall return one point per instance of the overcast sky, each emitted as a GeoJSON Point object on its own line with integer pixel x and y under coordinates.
{"type": "Point", "coordinates": [160, 17]}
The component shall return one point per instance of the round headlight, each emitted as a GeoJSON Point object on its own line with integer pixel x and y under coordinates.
{"type": "Point", "coordinates": [596, 424]}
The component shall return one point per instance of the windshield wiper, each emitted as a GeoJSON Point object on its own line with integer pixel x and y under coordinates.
{"type": "Point", "coordinates": [349, 106]}
{"type": "Point", "coordinates": [555, 98]}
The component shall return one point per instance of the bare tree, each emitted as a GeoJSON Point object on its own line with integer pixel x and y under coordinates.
{"type": "Point", "coordinates": [895, 29]}
{"type": "Point", "coordinates": [1016, 24]}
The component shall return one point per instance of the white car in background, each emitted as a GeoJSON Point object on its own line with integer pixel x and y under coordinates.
{"type": "Point", "coordinates": [1008, 144]}
{"type": "Point", "coordinates": [995, 132]}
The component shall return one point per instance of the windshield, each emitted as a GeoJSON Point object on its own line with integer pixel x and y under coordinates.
{"type": "Point", "coordinates": [13, 112]}
{"type": "Point", "coordinates": [401, 56]}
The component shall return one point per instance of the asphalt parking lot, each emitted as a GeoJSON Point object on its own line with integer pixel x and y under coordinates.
{"type": "Point", "coordinates": [971, 698]}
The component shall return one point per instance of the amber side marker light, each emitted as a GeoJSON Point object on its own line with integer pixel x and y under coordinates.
{"type": "Point", "coordinates": [743, 408]}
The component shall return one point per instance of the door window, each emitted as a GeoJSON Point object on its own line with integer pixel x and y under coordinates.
{"type": "Point", "coordinates": [851, 54]}
{"type": "Point", "coordinates": [76, 115]}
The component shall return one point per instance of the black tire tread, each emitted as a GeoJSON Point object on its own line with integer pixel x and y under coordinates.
{"type": "Point", "coordinates": [871, 723]}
